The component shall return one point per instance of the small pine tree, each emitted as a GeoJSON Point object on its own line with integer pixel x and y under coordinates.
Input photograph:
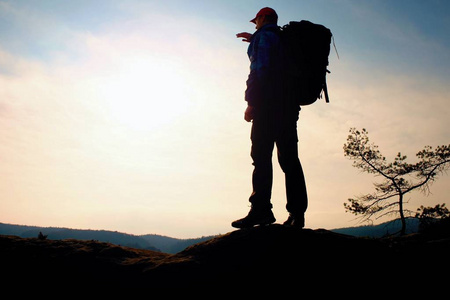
{"type": "Point", "coordinates": [429, 216]}
{"type": "Point", "coordinates": [399, 177]}
{"type": "Point", "coordinates": [42, 236]}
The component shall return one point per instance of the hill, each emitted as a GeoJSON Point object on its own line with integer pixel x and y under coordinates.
{"type": "Point", "coordinates": [381, 230]}
{"type": "Point", "coordinates": [149, 241]}
{"type": "Point", "coordinates": [269, 256]}
{"type": "Point", "coordinates": [174, 245]}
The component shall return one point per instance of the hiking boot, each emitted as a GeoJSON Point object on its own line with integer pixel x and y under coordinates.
{"type": "Point", "coordinates": [255, 217]}
{"type": "Point", "coordinates": [295, 221]}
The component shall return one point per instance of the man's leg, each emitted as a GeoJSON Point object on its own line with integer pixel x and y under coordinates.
{"type": "Point", "coordinates": [297, 199]}
{"type": "Point", "coordinates": [262, 177]}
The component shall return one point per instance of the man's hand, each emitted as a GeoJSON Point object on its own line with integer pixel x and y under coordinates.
{"type": "Point", "coordinates": [249, 113]}
{"type": "Point", "coordinates": [245, 35]}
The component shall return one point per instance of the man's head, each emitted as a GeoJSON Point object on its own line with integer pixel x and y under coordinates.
{"type": "Point", "coordinates": [265, 16]}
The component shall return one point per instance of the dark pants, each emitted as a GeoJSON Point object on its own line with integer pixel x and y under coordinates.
{"type": "Point", "coordinates": [264, 136]}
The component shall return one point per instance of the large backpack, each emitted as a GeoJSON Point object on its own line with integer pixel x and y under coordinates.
{"type": "Point", "coordinates": [306, 46]}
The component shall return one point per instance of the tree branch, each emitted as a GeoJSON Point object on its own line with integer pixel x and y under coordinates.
{"type": "Point", "coordinates": [428, 177]}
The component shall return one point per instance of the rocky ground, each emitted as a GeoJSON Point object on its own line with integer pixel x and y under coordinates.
{"type": "Point", "coordinates": [270, 255]}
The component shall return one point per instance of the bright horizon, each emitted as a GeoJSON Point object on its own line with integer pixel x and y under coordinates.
{"type": "Point", "coordinates": [128, 115]}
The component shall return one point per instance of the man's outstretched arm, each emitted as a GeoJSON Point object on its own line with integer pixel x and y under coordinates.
{"type": "Point", "coordinates": [247, 37]}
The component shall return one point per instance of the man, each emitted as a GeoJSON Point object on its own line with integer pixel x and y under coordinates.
{"type": "Point", "coordinates": [274, 122]}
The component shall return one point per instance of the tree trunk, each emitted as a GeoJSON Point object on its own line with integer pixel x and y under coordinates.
{"type": "Point", "coordinates": [402, 216]}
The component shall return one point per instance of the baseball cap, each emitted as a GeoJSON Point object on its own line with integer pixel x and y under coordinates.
{"type": "Point", "coordinates": [266, 11]}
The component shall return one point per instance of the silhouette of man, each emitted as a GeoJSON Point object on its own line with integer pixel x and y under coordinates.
{"type": "Point", "coordinates": [274, 122]}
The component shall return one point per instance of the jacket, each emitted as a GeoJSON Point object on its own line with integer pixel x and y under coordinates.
{"type": "Point", "coordinates": [264, 83]}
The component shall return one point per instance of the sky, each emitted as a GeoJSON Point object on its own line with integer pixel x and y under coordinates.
{"type": "Point", "coordinates": [129, 115]}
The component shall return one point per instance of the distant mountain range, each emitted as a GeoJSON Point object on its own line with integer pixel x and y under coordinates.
{"type": "Point", "coordinates": [149, 241]}
{"type": "Point", "coordinates": [381, 230]}
{"type": "Point", "coordinates": [174, 245]}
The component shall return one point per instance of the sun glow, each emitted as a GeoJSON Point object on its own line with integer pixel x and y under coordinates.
{"type": "Point", "coordinates": [146, 94]}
